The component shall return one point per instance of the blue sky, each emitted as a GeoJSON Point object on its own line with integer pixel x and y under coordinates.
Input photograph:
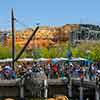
{"type": "Point", "coordinates": [49, 12]}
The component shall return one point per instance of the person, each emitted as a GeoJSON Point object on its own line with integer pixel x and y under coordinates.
{"type": "Point", "coordinates": [82, 73]}
{"type": "Point", "coordinates": [8, 73]}
{"type": "Point", "coordinates": [0, 72]}
{"type": "Point", "coordinates": [62, 71]}
{"type": "Point", "coordinates": [20, 70]}
{"type": "Point", "coordinates": [92, 72]}
{"type": "Point", "coordinates": [55, 70]}
{"type": "Point", "coordinates": [49, 70]}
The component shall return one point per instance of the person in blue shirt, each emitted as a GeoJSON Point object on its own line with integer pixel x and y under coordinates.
{"type": "Point", "coordinates": [8, 73]}
{"type": "Point", "coordinates": [92, 71]}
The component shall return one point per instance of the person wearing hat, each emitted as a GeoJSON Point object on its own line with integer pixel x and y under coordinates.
{"type": "Point", "coordinates": [8, 73]}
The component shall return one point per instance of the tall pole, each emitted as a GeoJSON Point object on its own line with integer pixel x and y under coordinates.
{"type": "Point", "coordinates": [81, 89]}
{"type": "Point", "coordinates": [45, 89]}
{"type": "Point", "coordinates": [23, 49]}
{"type": "Point", "coordinates": [13, 38]}
{"type": "Point", "coordinates": [97, 90]}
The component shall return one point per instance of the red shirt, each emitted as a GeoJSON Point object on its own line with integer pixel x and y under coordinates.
{"type": "Point", "coordinates": [55, 68]}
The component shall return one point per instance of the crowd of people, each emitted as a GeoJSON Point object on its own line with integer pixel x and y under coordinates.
{"type": "Point", "coordinates": [73, 70]}
{"type": "Point", "coordinates": [52, 70]}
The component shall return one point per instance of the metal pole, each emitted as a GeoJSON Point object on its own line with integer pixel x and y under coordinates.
{"type": "Point", "coordinates": [23, 49]}
{"type": "Point", "coordinates": [13, 38]}
{"type": "Point", "coordinates": [70, 88]}
{"type": "Point", "coordinates": [97, 94]}
{"type": "Point", "coordinates": [97, 91]}
{"type": "Point", "coordinates": [45, 89]}
{"type": "Point", "coordinates": [22, 89]}
{"type": "Point", "coordinates": [81, 89]}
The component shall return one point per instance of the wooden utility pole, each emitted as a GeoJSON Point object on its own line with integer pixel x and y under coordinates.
{"type": "Point", "coordinates": [13, 37]}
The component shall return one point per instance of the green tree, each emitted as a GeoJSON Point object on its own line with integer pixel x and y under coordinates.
{"type": "Point", "coordinates": [5, 52]}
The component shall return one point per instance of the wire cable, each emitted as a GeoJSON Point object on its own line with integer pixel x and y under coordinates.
{"type": "Point", "coordinates": [24, 25]}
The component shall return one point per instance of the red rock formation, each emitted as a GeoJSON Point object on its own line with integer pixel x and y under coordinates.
{"type": "Point", "coordinates": [45, 36]}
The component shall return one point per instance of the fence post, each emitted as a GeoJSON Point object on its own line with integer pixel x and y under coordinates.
{"type": "Point", "coordinates": [70, 88]}
{"type": "Point", "coordinates": [22, 90]}
{"type": "Point", "coordinates": [45, 89]}
{"type": "Point", "coordinates": [81, 89]}
{"type": "Point", "coordinates": [97, 91]}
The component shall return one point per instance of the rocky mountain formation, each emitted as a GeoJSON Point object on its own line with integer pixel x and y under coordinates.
{"type": "Point", "coordinates": [45, 36]}
{"type": "Point", "coordinates": [48, 36]}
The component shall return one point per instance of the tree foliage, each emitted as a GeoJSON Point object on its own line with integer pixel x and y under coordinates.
{"type": "Point", "coordinates": [79, 50]}
{"type": "Point", "coordinates": [88, 50]}
{"type": "Point", "coordinates": [5, 52]}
